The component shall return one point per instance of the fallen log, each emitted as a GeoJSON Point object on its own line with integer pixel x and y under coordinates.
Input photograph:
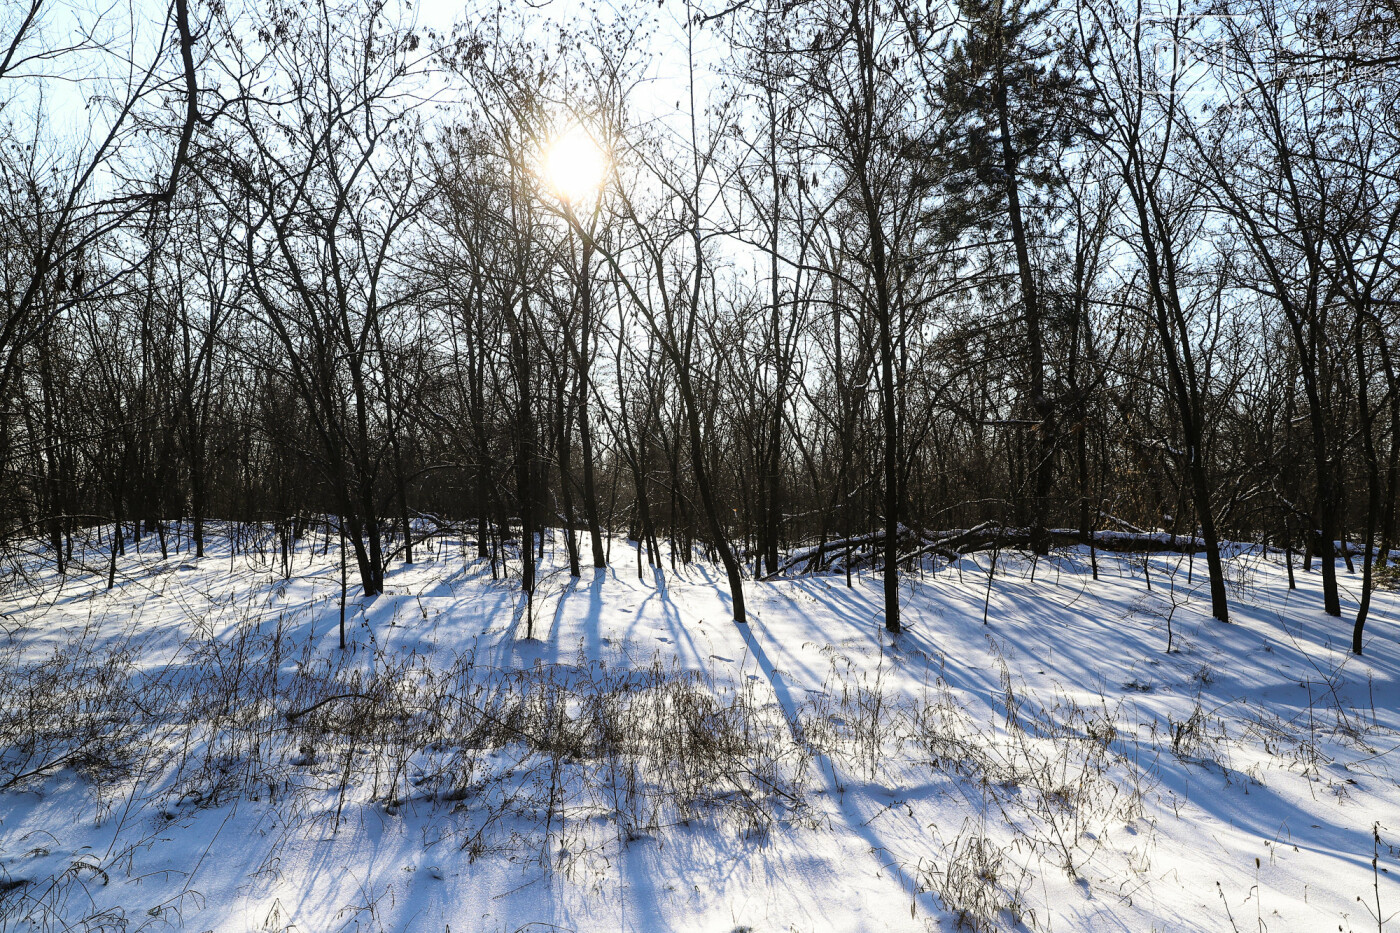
{"type": "Point", "coordinates": [865, 549]}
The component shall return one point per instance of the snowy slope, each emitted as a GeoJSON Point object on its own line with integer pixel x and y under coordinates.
{"type": "Point", "coordinates": [645, 764]}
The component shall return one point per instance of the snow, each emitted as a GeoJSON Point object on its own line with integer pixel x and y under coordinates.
{"type": "Point", "coordinates": [1054, 769]}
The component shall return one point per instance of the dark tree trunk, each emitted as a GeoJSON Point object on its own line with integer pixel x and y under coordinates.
{"type": "Point", "coordinates": [1043, 470]}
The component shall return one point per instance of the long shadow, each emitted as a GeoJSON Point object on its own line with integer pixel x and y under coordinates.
{"type": "Point", "coordinates": [835, 621]}
{"type": "Point", "coordinates": [552, 639]}
{"type": "Point", "coordinates": [835, 789]}
{"type": "Point", "coordinates": [1254, 808]}
{"type": "Point", "coordinates": [593, 621]}
{"type": "Point", "coordinates": [681, 634]}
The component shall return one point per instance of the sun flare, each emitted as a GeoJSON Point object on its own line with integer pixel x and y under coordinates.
{"type": "Point", "coordinates": [575, 165]}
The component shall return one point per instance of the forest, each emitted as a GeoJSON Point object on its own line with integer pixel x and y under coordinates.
{"type": "Point", "coordinates": [1042, 272]}
{"type": "Point", "coordinates": [912, 311]}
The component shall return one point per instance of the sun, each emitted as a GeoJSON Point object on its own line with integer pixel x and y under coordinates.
{"type": "Point", "coordinates": [574, 165]}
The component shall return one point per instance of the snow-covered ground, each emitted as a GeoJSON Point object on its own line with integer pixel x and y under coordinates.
{"type": "Point", "coordinates": [192, 750]}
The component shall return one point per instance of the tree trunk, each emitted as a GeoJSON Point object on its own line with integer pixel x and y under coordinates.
{"type": "Point", "coordinates": [1043, 471]}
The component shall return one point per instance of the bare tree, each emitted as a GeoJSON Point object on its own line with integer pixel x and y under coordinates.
{"type": "Point", "coordinates": [325, 177]}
